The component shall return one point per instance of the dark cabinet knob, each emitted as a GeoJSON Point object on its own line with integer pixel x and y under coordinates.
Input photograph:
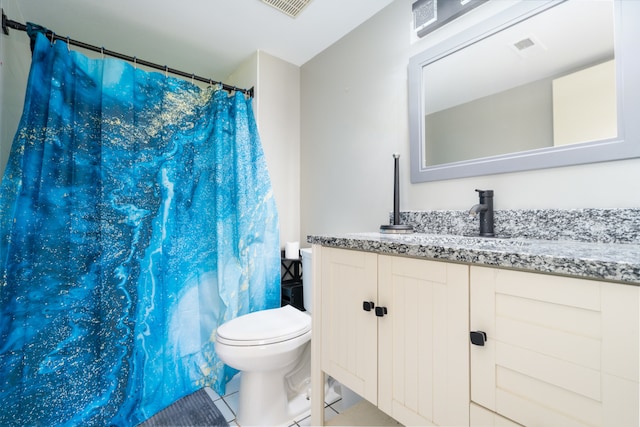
{"type": "Point", "coordinates": [381, 311]}
{"type": "Point", "coordinates": [368, 305]}
{"type": "Point", "coordinates": [478, 338]}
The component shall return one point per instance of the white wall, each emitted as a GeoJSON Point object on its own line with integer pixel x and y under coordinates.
{"type": "Point", "coordinates": [277, 109]}
{"type": "Point", "coordinates": [355, 115]}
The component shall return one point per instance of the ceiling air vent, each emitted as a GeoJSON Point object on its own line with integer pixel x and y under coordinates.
{"type": "Point", "coordinates": [288, 7]}
{"type": "Point", "coordinates": [527, 46]}
{"type": "Point", "coordinates": [524, 44]}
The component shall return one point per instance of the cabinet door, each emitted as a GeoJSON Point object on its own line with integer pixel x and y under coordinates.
{"type": "Point", "coordinates": [349, 334]}
{"type": "Point", "coordinates": [560, 351]}
{"type": "Point", "coordinates": [423, 341]}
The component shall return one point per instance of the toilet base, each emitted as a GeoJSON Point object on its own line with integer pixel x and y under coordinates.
{"type": "Point", "coordinates": [273, 408]}
{"type": "Point", "coordinates": [266, 403]}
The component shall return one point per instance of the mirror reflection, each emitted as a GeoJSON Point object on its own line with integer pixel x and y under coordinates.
{"type": "Point", "coordinates": [545, 82]}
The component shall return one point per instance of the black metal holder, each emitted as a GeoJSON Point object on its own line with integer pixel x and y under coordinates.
{"type": "Point", "coordinates": [486, 214]}
{"type": "Point", "coordinates": [396, 227]}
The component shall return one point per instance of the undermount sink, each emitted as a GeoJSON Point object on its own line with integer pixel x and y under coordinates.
{"type": "Point", "coordinates": [487, 237]}
{"type": "Point", "coordinates": [500, 242]}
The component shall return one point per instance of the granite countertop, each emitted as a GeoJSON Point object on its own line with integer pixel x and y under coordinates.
{"type": "Point", "coordinates": [603, 261]}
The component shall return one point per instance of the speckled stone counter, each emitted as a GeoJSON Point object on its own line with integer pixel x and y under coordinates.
{"type": "Point", "coordinates": [604, 261]}
{"type": "Point", "coordinates": [602, 258]}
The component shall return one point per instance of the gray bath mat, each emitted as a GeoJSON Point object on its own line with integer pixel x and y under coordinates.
{"type": "Point", "coordinates": [194, 410]}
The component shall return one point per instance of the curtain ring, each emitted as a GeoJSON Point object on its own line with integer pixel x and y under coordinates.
{"type": "Point", "coordinates": [68, 48]}
{"type": "Point", "coordinates": [166, 71]}
{"type": "Point", "coordinates": [192, 76]}
{"type": "Point", "coordinates": [53, 37]}
{"type": "Point", "coordinates": [102, 51]}
{"type": "Point", "coordinates": [135, 63]}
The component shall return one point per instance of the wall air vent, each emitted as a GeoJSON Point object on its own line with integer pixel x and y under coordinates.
{"type": "Point", "coordinates": [429, 15]}
{"type": "Point", "coordinates": [425, 12]}
{"type": "Point", "coordinates": [288, 7]}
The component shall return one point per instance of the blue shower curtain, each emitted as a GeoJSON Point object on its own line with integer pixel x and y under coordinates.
{"type": "Point", "coordinates": [136, 215]}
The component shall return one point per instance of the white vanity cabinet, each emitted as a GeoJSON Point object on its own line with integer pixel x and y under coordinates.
{"type": "Point", "coordinates": [559, 351]}
{"type": "Point", "coordinates": [411, 357]}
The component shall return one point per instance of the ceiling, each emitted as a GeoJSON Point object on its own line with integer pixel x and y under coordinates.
{"type": "Point", "coordinates": [210, 38]}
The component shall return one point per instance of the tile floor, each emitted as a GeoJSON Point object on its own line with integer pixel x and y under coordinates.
{"type": "Point", "coordinates": [228, 404]}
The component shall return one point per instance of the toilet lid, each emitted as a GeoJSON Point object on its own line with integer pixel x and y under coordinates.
{"type": "Point", "coordinates": [264, 327]}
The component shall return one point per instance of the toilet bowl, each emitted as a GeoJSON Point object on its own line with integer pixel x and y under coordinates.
{"type": "Point", "coordinates": [271, 348]}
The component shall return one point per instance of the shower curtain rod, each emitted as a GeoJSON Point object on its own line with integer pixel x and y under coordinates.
{"type": "Point", "coordinates": [8, 23]}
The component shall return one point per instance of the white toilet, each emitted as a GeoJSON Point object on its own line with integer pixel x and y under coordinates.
{"type": "Point", "coordinates": [272, 349]}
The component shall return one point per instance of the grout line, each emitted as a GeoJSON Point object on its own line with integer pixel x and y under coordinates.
{"type": "Point", "coordinates": [212, 394]}
{"type": "Point", "coordinates": [225, 413]}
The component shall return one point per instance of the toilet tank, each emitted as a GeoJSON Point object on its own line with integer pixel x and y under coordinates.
{"type": "Point", "coordinates": [307, 279]}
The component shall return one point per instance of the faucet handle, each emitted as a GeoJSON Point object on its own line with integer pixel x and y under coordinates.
{"type": "Point", "coordinates": [485, 192]}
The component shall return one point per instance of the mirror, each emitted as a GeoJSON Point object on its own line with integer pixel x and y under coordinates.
{"type": "Point", "coordinates": [541, 84]}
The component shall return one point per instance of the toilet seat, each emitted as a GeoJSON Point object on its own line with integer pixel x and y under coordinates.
{"type": "Point", "coordinates": [264, 327]}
